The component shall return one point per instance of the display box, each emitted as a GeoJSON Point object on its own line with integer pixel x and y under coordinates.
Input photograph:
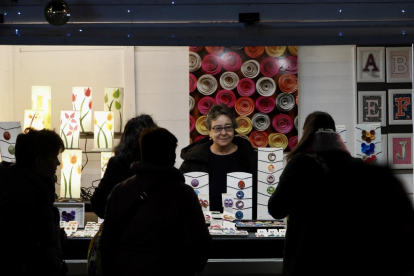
{"type": "Point", "coordinates": [69, 211]}
{"type": "Point", "coordinates": [241, 184]}
{"type": "Point", "coordinates": [199, 181]}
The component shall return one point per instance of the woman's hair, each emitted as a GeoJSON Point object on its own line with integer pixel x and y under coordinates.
{"type": "Point", "coordinates": [128, 150]}
{"type": "Point", "coordinates": [158, 146]}
{"type": "Point", "coordinates": [33, 143]}
{"type": "Point", "coordinates": [218, 110]}
{"type": "Point", "coordinates": [315, 121]}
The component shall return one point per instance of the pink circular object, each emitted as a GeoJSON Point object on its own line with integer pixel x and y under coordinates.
{"type": "Point", "coordinates": [269, 67]}
{"type": "Point", "coordinates": [195, 49]}
{"type": "Point", "coordinates": [246, 87]}
{"type": "Point", "coordinates": [282, 123]}
{"type": "Point", "coordinates": [265, 104]}
{"type": "Point", "coordinates": [199, 137]}
{"type": "Point", "coordinates": [193, 83]}
{"type": "Point", "coordinates": [226, 97]}
{"type": "Point", "coordinates": [293, 141]}
{"type": "Point", "coordinates": [231, 61]}
{"type": "Point", "coordinates": [192, 123]}
{"type": "Point", "coordinates": [211, 64]}
{"type": "Point", "coordinates": [291, 64]}
{"type": "Point", "coordinates": [204, 104]}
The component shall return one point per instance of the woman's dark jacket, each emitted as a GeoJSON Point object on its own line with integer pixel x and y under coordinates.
{"type": "Point", "coordinates": [116, 172]}
{"type": "Point", "coordinates": [167, 235]}
{"type": "Point", "coordinates": [30, 231]}
{"type": "Point", "coordinates": [345, 217]}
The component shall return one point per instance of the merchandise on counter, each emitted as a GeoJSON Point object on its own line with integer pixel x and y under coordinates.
{"type": "Point", "coordinates": [240, 186]}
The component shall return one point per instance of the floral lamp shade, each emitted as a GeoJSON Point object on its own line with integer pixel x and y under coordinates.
{"type": "Point", "coordinates": [8, 135]}
{"type": "Point", "coordinates": [105, 156]}
{"type": "Point", "coordinates": [114, 98]}
{"type": "Point", "coordinates": [103, 130]}
{"type": "Point", "coordinates": [82, 102]}
{"type": "Point", "coordinates": [70, 170]}
{"type": "Point", "coordinates": [42, 100]}
{"type": "Point", "coordinates": [69, 128]}
{"type": "Point", "coordinates": [33, 119]}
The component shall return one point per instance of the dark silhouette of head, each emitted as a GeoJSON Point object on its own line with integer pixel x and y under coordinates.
{"type": "Point", "coordinates": [128, 150]}
{"type": "Point", "coordinates": [315, 121]}
{"type": "Point", "coordinates": [158, 146]}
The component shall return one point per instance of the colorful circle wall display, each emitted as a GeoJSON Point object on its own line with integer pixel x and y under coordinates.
{"type": "Point", "coordinates": [261, 121]}
{"type": "Point", "coordinates": [246, 87]}
{"type": "Point", "coordinates": [266, 86]}
{"type": "Point", "coordinates": [191, 103]}
{"type": "Point", "coordinates": [269, 67]}
{"type": "Point", "coordinates": [201, 125]}
{"type": "Point", "coordinates": [275, 51]}
{"type": "Point", "coordinates": [196, 48]}
{"type": "Point", "coordinates": [288, 83]}
{"type": "Point", "coordinates": [204, 104]}
{"type": "Point", "coordinates": [229, 80]}
{"type": "Point", "coordinates": [211, 64]}
{"type": "Point", "coordinates": [231, 61]}
{"type": "Point", "coordinates": [258, 139]}
{"type": "Point", "coordinates": [278, 140]}
{"type": "Point", "coordinates": [296, 122]}
{"type": "Point", "coordinates": [192, 123]}
{"type": "Point", "coordinates": [215, 50]}
{"type": "Point", "coordinates": [195, 62]}
{"type": "Point", "coordinates": [245, 125]}
{"type": "Point", "coordinates": [285, 102]}
{"type": "Point", "coordinates": [293, 50]}
{"type": "Point", "coordinates": [291, 64]}
{"type": "Point", "coordinates": [282, 123]}
{"type": "Point", "coordinates": [236, 47]}
{"type": "Point", "coordinates": [250, 69]}
{"type": "Point", "coordinates": [293, 141]}
{"type": "Point", "coordinates": [226, 97]}
{"type": "Point", "coordinates": [244, 106]}
{"type": "Point", "coordinates": [192, 82]}
{"type": "Point", "coordinates": [207, 85]}
{"type": "Point", "coordinates": [200, 137]}
{"type": "Point", "coordinates": [265, 104]}
{"type": "Point", "coordinates": [254, 52]}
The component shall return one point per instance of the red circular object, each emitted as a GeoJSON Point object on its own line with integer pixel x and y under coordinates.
{"type": "Point", "coordinates": [241, 185]}
{"type": "Point", "coordinates": [204, 104]}
{"type": "Point", "coordinates": [231, 61]}
{"type": "Point", "coordinates": [195, 49]}
{"type": "Point", "coordinates": [259, 139]}
{"type": "Point", "coordinates": [269, 67]}
{"type": "Point", "coordinates": [282, 123]}
{"type": "Point", "coordinates": [244, 106]}
{"type": "Point", "coordinates": [193, 83]}
{"type": "Point", "coordinates": [226, 97]}
{"type": "Point", "coordinates": [291, 64]}
{"type": "Point", "coordinates": [192, 123]}
{"type": "Point", "coordinates": [254, 52]}
{"type": "Point", "coordinates": [293, 141]}
{"type": "Point", "coordinates": [288, 83]}
{"type": "Point", "coordinates": [246, 87]}
{"type": "Point", "coordinates": [7, 135]}
{"type": "Point", "coordinates": [215, 50]}
{"type": "Point", "coordinates": [265, 104]}
{"type": "Point", "coordinates": [211, 64]}
{"type": "Point", "coordinates": [199, 137]}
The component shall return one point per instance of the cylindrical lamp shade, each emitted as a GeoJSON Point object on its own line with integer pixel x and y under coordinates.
{"type": "Point", "coordinates": [42, 100]}
{"type": "Point", "coordinates": [114, 99]}
{"type": "Point", "coordinates": [104, 129]}
{"type": "Point", "coordinates": [70, 170]}
{"type": "Point", "coordinates": [82, 101]}
{"type": "Point", "coordinates": [105, 156]}
{"type": "Point", "coordinates": [69, 128]}
{"type": "Point", "coordinates": [33, 119]}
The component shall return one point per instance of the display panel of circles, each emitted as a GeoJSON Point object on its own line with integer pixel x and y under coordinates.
{"type": "Point", "coordinates": [259, 84]}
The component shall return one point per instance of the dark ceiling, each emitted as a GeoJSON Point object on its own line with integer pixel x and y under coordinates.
{"type": "Point", "coordinates": [213, 22]}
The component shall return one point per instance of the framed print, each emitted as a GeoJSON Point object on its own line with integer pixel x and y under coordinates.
{"type": "Point", "coordinates": [400, 151]}
{"type": "Point", "coordinates": [71, 212]}
{"type": "Point", "coordinates": [400, 107]}
{"type": "Point", "coordinates": [399, 64]}
{"type": "Point", "coordinates": [372, 107]}
{"type": "Point", "coordinates": [370, 64]}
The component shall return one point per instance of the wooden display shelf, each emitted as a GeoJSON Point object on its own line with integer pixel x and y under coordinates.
{"type": "Point", "coordinates": [90, 135]}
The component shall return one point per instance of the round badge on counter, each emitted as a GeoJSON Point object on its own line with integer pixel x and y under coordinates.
{"type": "Point", "coordinates": [194, 182]}
{"type": "Point", "coordinates": [239, 204]}
{"type": "Point", "coordinates": [271, 156]}
{"type": "Point", "coordinates": [271, 168]}
{"type": "Point", "coordinates": [239, 194]}
{"type": "Point", "coordinates": [239, 215]}
{"type": "Point", "coordinates": [270, 190]}
{"type": "Point", "coordinates": [241, 185]}
{"type": "Point", "coordinates": [228, 202]}
{"type": "Point", "coordinates": [270, 179]}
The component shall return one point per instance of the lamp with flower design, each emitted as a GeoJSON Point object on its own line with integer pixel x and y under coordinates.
{"type": "Point", "coordinates": [70, 170]}
{"type": "Point", "coordinates": [42, 100]}
{"type": "Point", "coordinates": [113, 102]}
{"type": "Point", "coordinates": [82, 101]}
{"type": "Point", "coordinates": [105, 156]}
{"type": "Point", "coordinates": [69, 128]}
{"type": "Point", "coordinates": [103, 130]}
{"type": "Point", "coordinates": [33, 119]}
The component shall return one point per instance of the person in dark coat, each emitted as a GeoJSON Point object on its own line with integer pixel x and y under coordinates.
{"type": "Point", "coordinates": [219, 154]}
{"type": "Point", "coordinates": [118, 167]}
{"type": "Point", "coordinates": [30, 234]}
{"type": "Point", "coordinates": [345, 217]}
{"type": "Point", "coordinates": [166, 234]}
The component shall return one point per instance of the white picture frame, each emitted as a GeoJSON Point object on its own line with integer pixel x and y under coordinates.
{"type": "Point", "coordinates": [371, 64]}
{"type": "Point", "coordinates": [393, 139]}
{"type": "Point", "coordinates": [399, 67]}
{"type": "Point", "coordinates": [77, 207]}
{"type": "Point", "coordinates": [405, 110]}
{"type": "Point", "coordinates": [367, 101]}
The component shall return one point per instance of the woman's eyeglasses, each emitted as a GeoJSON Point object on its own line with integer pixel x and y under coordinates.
{"type": "Point", "coordinates": [218, 129]}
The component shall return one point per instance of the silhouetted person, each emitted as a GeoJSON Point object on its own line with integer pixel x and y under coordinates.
{"type": "Point", "coordinates": [166, 234]}
{"type": "Point", "coordinates": [118, 168]}
{"type": "Point", "coordinates": [345, 217]}
{"type": "Point", "coordinates": [30, 231]}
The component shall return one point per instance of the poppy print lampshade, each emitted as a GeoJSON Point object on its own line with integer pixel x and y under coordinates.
{"type": "Point", "coordinates": [113, 101]}
{"type": "Point", "coordinates": [105, 156]}
{"type": "Point", "coordinates": [103, 130]}
{"type": "Point", "coordinates": [42, 100]}
{"type": "Point", "coordinates": [70, 170]}
{"type": "Point", "coordinates": [82, 102]}
{"type": "Point", "coordinates": [69, 128]}
{"type": "Point", "coordinates": [33, 119]}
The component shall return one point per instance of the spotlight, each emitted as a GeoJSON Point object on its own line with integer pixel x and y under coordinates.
{"type": "Point", "coordinates": [57, 12]}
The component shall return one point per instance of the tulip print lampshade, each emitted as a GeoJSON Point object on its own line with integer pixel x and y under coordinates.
{"type": "Point", "coordinates": [113, 102]}
{"type": "Point", "coordinates": [103, 130]}
{"type": "Point", "coordinates": [82, 102]}
{"type": "Point", "coordinates": [42, 100]}
{"type": "Point", "coordinates": [33, 119]}
{"type": "Point", "coordinates": [69, 128]}
{"type": "Point", "coordinates": [71, 169]}
{"type": "Point", "coordinates": [105, 156]}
